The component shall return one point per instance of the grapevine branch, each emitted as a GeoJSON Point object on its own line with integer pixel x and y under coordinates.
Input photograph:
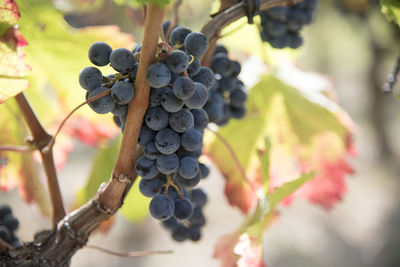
{"type": "Point", "coordinates": [41, 138]}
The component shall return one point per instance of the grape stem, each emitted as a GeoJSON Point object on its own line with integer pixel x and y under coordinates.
{"type": "Point", "coordinates": [170, 183]}
{"type": "Point", "coordinates": [17, 148]}
{"type": "Point", "coordinates": [47, 148]}
{"type": "Point", "coordinates": [130, 254]}
{"type": "Point", "coordinates": [41, 138]}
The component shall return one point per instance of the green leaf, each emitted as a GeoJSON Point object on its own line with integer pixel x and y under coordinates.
{"type": "Point", "coordinates": [12, 67]}
{"type": "Point", "coordinates": [297, 127]}
{"type": "Point", "coordinates": [135, 206]}
{"type": "Point", "coordinates": [287, 188]}
{"type": "Point", "coordinates": [102, 167]}
{"type": "Point", "coordinates": [57, 53]}
{"type": "Point", "coordinates": [391, 8]}
{"type": "Point", "coordinates": [264, 156]}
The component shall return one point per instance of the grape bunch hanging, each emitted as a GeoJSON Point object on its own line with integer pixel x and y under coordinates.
{"type": "Point", "coordinates": [228, 96]}
{"type": "Point", "coordinates": [281, 25]}
{"type": "Point", "coordinates": [172, 130]}
{"type": "Point", "coordinates": [8, 225]}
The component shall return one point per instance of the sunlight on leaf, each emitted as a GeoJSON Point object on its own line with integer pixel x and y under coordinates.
{"type": "Point", "coordinates": [12, 67]}
{"type": "Point", "coordinates": [391, 8]}
{"type": "Point", "coordinates": [305, 136]}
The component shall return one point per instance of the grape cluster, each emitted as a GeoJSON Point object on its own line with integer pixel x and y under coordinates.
{"type": "Point", "coordinates": [172, 134]}
{"type": "Point", "coordinates": [228, 95]}
{"type": "Point", "coordinates": [121, 83]}
{"type": "Point", "coordinates": [281, 25]}
{"type": "Point", "coordinates": [8, 225]}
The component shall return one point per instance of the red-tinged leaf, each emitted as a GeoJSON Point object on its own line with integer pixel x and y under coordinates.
{"type": "Point", "coordinates": [19, 169]}
{"type": "Point", "coordinates": [224, 250]}
{"type": "Point", "coordinates": [250, 251]}
{"type": "Point", "coordinates": [91, 133]}
{"type": "Point", "coordinates": [305, 136]}
{"type": "Point", "coordinates": [9, 15]}
{"type": "Point", "coordinates": [12, 67]}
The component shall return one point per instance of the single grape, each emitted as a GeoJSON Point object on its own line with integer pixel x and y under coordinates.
{"type": "Point", "coordinates": [198, 197]}
{"type": "Point", "coordinates": [122, 60]}
{"type": "Point", "coordinates": [196, 43]}
{"type": "Point", "coordinates": [181, 121]}
{"type": "Point", "coordinates": [102, 105]}
{"type": "Point", "coordinates": [180, 234]}
{"type": "Point", "coordinates": [198, 218]}
{"type": "Point", "coordinates": [122, 92]}
{"type": "Point", "coordinates": [177, 61]}
{"type": "Point", "coordinates": [156, 118]}
{"type": "Point", "coordinates": [238, 113]}
{"type": "Point", "coordinates": [10, 222]}
{"type": "Point", "coordinates": [221, 64]}
{"type": "Point", "coordinates": [167, 141]}
{"type": "Point", "coordinates": [171, 223]}
{"type": "Point", "coordinates": [178, 35]}
{"type": "Point", "coordinates": [90, 78]}
{"type": "Point", "coordinates": [192, 140]}
{"type": "Point", "coordinates": [214, 110]}
{"type": "Point", "coordinates": [184, 153]}
{"type": "Point", "coordinates": [199, 98]}
{"type": "Point", "coordinates": [237, 98]}
{"type": "Point", "coordinates": [194, 234]}
{"type": "Point", "coordinates": [161, 207]}
{"type": "Point", "coordinates": [155, 96]}
{"type": "Point", "coordinates": [99, 53]}
{"type": "Point", "coordinates": [188, 167]}
{"type": "Point", "coordinates": [167, 164]}
{"type": "Point", "coordinates": [150, 151]}
{"type": "Point", "coordinates": [146, 168]}
{"type": "Point", "coordinates": [169, 101]}
{"type": "Point", "coordinates": [236, 68]}
{"type": "Point", "coordinates": [220, 49]}
{"type": "Point", "coordinates": [158, 75]}
{"type": "Point", "coordinates": [187, 183]}
{"type": "Point", "coordinates": [151, 187]}
{"type": "Point", "coordinates": [204, 170]}
{"type": "Point", "coordinates": [184, 88]}
{"type": "Point", "coordinates": [205, 76]}
{"type": "Point", "coordinates": [194, 66]}
{"type": "Point", "coordinates": [120, 110]}
{"type": "Point", "coordinates": [146, 135]}
{"type": "Point", "coordinates": [183, 209]}
{"type": "Point", "coordinates": [201, 119]}
{"type": "Point", "coordinates": [4, 210]}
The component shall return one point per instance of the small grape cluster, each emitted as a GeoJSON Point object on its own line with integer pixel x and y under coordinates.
{"type": "Point", "coordinates": [8, 225]}
{"type": "Point", "coordinates": [281, 25]}
{"type": "Point", "coordinates": [228, 95]}
{"type": "Point", "coordinates": [121, 83]}
{"type": "Point", "coordinates": [172, 134]}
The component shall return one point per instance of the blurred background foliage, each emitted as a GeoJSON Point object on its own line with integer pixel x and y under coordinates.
{"type": "Point", "coordinates": [351, 43]}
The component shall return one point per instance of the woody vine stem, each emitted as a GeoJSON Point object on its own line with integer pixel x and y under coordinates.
{"type": "Point", "coordinates": [71, 232]}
